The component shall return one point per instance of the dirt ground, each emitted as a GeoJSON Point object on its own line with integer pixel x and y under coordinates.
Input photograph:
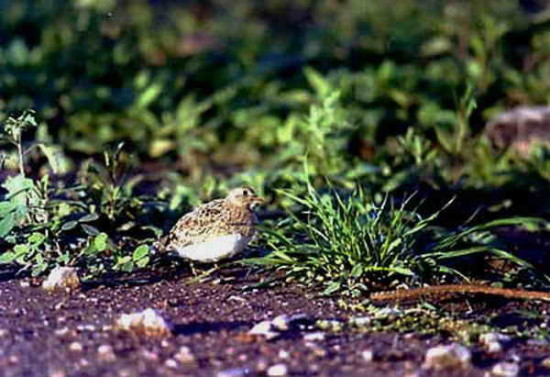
{"type": "Point", "coordinates": [67, 334]}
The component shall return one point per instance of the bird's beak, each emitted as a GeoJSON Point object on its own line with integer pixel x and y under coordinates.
{"type": "Point", "coordinates": [256, 201]}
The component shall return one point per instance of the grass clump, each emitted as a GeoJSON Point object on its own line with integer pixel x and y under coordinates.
{"type": "Point", "coordinates": [350, 243]}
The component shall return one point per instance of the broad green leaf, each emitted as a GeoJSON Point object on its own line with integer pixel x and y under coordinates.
{"type": "Point", "coordinates": [6, 207]}
{"type": "Point", "coordinates": [100, 242]}
{"type": "Point", "coordinates": [37, 238]}
{"type": "Point", "coordinates": [89, 218]}
{"type": "Point", "coordinates": [332, 287]}
{"type": "Point", "coordinates": [140, 252]}
{"type": "Point", "coordinates": [142, 262]}
{"type": "Point", "coordinates": [7, 257]}
{"type": "Point", "coordinates": [7, 224]}
{"type": "Point", "coordinates": [70, 225]}
{"type": "Point", "coordinates": [90, 230]}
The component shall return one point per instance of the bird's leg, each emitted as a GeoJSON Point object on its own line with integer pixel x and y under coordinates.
{"type": "Point", "coordinates": [193, 269]}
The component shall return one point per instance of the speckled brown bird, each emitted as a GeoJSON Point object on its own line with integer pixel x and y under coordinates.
{"type": "Point", "coordinates": [216, 230]}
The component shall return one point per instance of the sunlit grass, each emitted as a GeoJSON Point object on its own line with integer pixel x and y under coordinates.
{"type": "Point", "coordinates": [352, 243]}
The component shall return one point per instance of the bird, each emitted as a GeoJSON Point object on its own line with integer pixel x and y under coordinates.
{"type": "Point", "coordinates": [214, 231]}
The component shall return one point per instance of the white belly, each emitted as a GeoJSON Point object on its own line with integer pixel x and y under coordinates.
{"type": "Point", "coordinates": [215, 249]}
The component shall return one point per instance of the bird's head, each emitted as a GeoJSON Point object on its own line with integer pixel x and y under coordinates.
{"type": "Point", "coordinates": [244, 197]}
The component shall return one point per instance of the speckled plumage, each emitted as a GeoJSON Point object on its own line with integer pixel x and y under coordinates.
{"type": "Point", "coordinates": [216, 230]}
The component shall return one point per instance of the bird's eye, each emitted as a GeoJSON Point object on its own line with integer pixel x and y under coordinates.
{"type": "Point", "coordinates": [245, 192]}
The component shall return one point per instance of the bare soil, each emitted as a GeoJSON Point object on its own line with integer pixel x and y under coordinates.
{"type": "Point", "coordinates": [40, 333]}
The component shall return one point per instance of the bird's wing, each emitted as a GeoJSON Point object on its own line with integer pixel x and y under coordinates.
{"type": "Point", "coordinates": [195, 225]}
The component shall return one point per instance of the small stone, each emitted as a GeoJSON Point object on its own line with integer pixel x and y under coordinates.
{"type": "Point", "coordinates": [57, 373]}
{"type": "Point", "coordinates": [284, 354]}
{"type": "Point", "coordinates": [149, 355]}
{"type": "Point", "coordinates": [367, 356]}
{"type": "Point", "coordinates": [62, 277]}
{"type": "Point", "coordinates": [64, 331]}
{"type": "Point", "coordinates": [492, 342]}
{"type": "Point", "coordinates": [389, 312]}
{"type": "Point", "coordinates": [277, 370]}
{"type": "Point", "coordinates": [264, 329]}
{"type": "Point", "coordinates": [84, 362]}
{"type": "Point", "coordinates": [281, 322]}
{"type": "Point", "coordinates": [83, 328]}
{"type": "Point", "coordinates": [3, 333]}
{"type": "Point", "coordinates": [185, 356]}
{"type": "Point", "coordinates": [171, 363]}
{"type": "Point", "coordinates": [25, 284]}
{"type": "Point", "coordinates": [105, 353]}
{"type": "Point", "coordinates": [261, 365]}
{"type": "Point", "coordinates": [147, 322]}
{"type": "Point", "coordinates": [76, 347]}
{"type": "Point", "coordinates": [453, 356]}
{"type": "Point", "coordinates": [360, 321]}
{"type": "Point", "coordinates": [545, 363]}
{"type": "Point", "coordinates": [314, 336]}
{"type": "Point", "coordinates": [236, 372]}
{"type": "Point", "coordinates": [505, 369]}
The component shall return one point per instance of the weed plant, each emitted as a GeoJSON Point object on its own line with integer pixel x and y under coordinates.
{"type": "Point", "coordinates": [350, 243]}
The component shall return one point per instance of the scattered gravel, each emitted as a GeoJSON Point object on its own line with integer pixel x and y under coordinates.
{"type": "Point", "coordinates": [210, 334]}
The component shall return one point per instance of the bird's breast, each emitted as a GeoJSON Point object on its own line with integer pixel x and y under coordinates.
{"type": "Point", "coordinates": [215, 248]}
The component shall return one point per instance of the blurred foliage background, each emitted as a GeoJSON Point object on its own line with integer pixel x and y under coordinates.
{"type": "Point", "coordinates": [207, 94]}
{"type": "Point", "coordinates": [228, 82]}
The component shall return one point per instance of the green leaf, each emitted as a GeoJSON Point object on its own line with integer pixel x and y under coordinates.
{"type": "Point", "coordinates": [127, 267]}
{"type": "Point", "coordinates": [89, 218]}
{"type": "Point", "coordinates": [6, 207]}
{"type": "Point", "coordinates": [7, 257]}
{"type": "Point", "coordinates": [7, 224]}
{"type": "Point", "coordinates": [140, 252]}
{"type": "Point", "coordinates": [21, 249]}
{"type": "Point", "coordinates": [332, 287]}
{"type": "Point", "coordinates": [148, 95]}
{"type": "Point", "coordinates": [90, 230]}
{"type": "Point", "coordinates": [37, 238]}
{"type": "Point", "coordinates": [100, 242]}
{"type": "Point", "coordinates": [142, 262]}
{"type": "Point", "coordinates": [69, 225]}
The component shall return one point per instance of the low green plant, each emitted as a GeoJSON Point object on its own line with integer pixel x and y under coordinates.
{"type": "Point", "coordinates": [350, 243]}
{"type": "Point", "coordinates": [91, 224]}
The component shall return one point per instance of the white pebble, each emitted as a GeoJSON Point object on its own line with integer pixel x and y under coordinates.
{"type": "Point", "coordinates": [62, 277]}
{"type": "Point", "coordinates": [367, 356]}
{"type": "Point", "coordinates": [76, 347]}
{"type": "Point", "coordinates": [505, 369]}
{"type": "Point", "coordinates": [264, 329]}
{"type": "Point", "coordinates": [171, 363]}
{"type": "Point", "coordinates": [314, 336]}
{"type": "Point", "coordinates": [277, 370]}
{"type": "Point", "coordinates": [237, 372]}
{"type": "Point", "coordinates": [453, 356]}
{"type": "Point", "coordinates": [492, 341]}
{"type": "Point", "coordinates": [185, 356]}
{"type": "Point", "coordinates": [105, 353]}
{"type": "Point", "coordinates": [148, 322]}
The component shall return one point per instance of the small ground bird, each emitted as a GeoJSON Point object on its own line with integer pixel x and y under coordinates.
{"type": "Point", "coordinates": [216, 230]}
